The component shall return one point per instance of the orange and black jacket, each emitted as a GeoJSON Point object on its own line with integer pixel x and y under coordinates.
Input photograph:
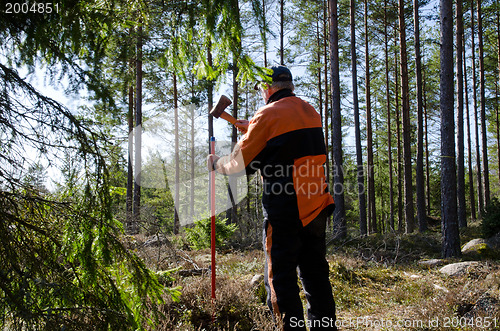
{"type": "Point", "coordinates": [285, 141]}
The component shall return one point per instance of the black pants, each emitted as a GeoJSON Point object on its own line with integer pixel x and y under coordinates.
{"type": "Point", "coordinates": [290, 246]}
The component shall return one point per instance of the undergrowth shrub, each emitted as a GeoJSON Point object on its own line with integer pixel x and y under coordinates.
{"type": "Point", "coordinates": [236, 307]}
{"type": "Point", "coordinates": [199, 235]}
{"type": "Point", "coordinates": [491, 221]}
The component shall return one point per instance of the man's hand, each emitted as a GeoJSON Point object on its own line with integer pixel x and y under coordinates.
{"type": "Point", "coordinates": [242, 125]}
{"type": "Point", "coordinates": [211, 160]}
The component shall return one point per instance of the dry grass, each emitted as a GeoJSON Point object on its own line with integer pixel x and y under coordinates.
{"type": "Point", "coordinates": [377, 285]}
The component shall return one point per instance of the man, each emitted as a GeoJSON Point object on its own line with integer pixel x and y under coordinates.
{"type": "Point", "coordinates": [285, 141]}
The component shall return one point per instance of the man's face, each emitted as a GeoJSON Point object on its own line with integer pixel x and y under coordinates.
{"type": "Point", "coordinates": [264, 91]}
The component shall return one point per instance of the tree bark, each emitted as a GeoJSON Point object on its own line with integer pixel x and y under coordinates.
{"type": "Point", "coordinates": [389, 130]}
{"type": "Point", "coordinates": [498, 128]}
{"type": "Point", "coordinates": [264, 32]}
{"type": "Point", "coordinates": [450, 233]}
{"type": "Point", "coordinates": [192, 152]}
{"type": "Point", "coordinates": [357, 127]}
{"type": "Point", "coordinates": [405, 103]}
{"type": "Point", "coordinates": [138, 133]}
{"type": "Point", "coordinates": [483, 106]}
{"type": "Point", "coordinates": [282, 31]}
{"type": "Point", "coordinates": [398, 138]}
{"type": "Point", "coordinates": [462, 208]}
{"type": "Point", "coordinates": [480, 208]}
{"type": "Point", "coordinates": [339, 221]}
{"type": "Point", "coordinates": [427, 164]}
{"type": "Point", "coordinates": [325, 72]}
{"type": "Point", "coordinates": [372, 214]}
{"type": "Point", "coordinates": [130, 163]}
{"type": "Point", "coordinates": [469, 143]}
{"type": "Point", "coordinates": [421, 212]}
{"type": "Point", "coordinates": [176, 152]}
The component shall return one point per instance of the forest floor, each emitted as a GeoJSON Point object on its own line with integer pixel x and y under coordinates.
{"type": "Point", "coordinates": [377, 282]}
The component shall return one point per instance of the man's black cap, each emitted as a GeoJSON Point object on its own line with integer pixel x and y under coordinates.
{"type": "Point", "coordinates": [280, 74]}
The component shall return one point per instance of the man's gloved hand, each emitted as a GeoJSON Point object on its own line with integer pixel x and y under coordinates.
{"type": "Point", "coordinates": [242, 125]}
{"type": "Point", "coordinates": [212, 161]}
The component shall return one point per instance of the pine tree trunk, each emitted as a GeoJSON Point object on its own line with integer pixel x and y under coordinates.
{"type": "Point", "coordinates": [210, 97]}
{"type": "Point", "coordinates": [282, 31]}
{"type": "Point", "coordinates": [130, 163]}
{"type": "Point", "coordinates": [421, 212]}
{"type": "Point", "coordinates": [462, 208]}
{"type": "Point", "coordinates": [138, 133]}
{"type": "Point", "coordinates": [192, 155]}
{"type": "Point", "coordinates": [450, 233]}
{"type": "Point", "coordinates": [497, 96]}
{"type": "Point", "coordinates": [389, 129]}
{"type": "Point", "coordinates": [398, 137]}
{"type": "Point", "coordinates": [372, 215]}
{"type": "Point", "coordinates": [469, 143]}
{"type": "Point", "coordinates": [357, 127]}
{"type": "Point", "coordinates": [483, 106]}
{"type": "Point", "coordinates": [176, 147]}
{"type": "Point", "coordinates": [405, 103]}
{"type": "Point", "coordinates": [339, 221]}
{"type": "Point", "coordinates": [320, 84]}
{"type": "Point", "coordinates": [476, 121]}
{"type": "Point", "coordinates": [427, 164]}
{"type": "Point", "coordinates": [264, 32]}
{"type": "Point", "coordinates": [325, 72]}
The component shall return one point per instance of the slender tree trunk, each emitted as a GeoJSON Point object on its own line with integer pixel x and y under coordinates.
{"type": "Point", "coordinates": [427, 164]}
{"type": "Point", "coordinates": [176, 147]}
{"type": "Point", "coordinates": [405, 102]}
{"type": "Point", "coordinates": [498, 128]}
{"type": "Point", "coordinates": [264, 33]}
{"type": "Point", "coordinates": [483, 106]}
{"type": "Point", "coordinates": [339, 220]}
{"type": "Point", "coordinates": [325, 72]}
{"type": "Point", "coordinates": [372, 215]}
{"type": "Point", "coordinates": [320, 84]}
{"type": "Point", "coordinates": [232, 214]}
{"type": "Point", "coordinates": [138, 133]}
{"type": "Point", "coordinates": [421, 213]}
{"type": "Point", "coordinates": [450, 233]}
{"type": "Point", "coordinates": [476, 121]}
{"type": "Point", "coordinates": [389, 129]}
{"type": "Point", "coordinates": [359, 156]}
{"type": "Point", "coordinates": [282, 31]}
{"type": "Point", "coordinates": [398, 137]}
{"type": "Point", "coordinates": [191, 152]}
{"type": "Point", "coordinates": [462, 208]}
{"type": "Point", "coordinates": [233, 191]}
{"type": "Point", "coordinates": [130, 164]}
{"type": "Point", "coordinates": [469, 143]}
{"type": "Point", "coordinates": [210, 96]}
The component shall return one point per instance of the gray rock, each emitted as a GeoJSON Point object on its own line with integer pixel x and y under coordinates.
{"type": "Point", "coordinates": [478, 248]}
{"type": "Point", "coordinates": [457, 269]}
{"type": "Point", "coordinates": [432, 263]}
{"type": "Point", "coordinates": [473, 243]}
{"type": "Point", "coordinates": [493, 281]}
